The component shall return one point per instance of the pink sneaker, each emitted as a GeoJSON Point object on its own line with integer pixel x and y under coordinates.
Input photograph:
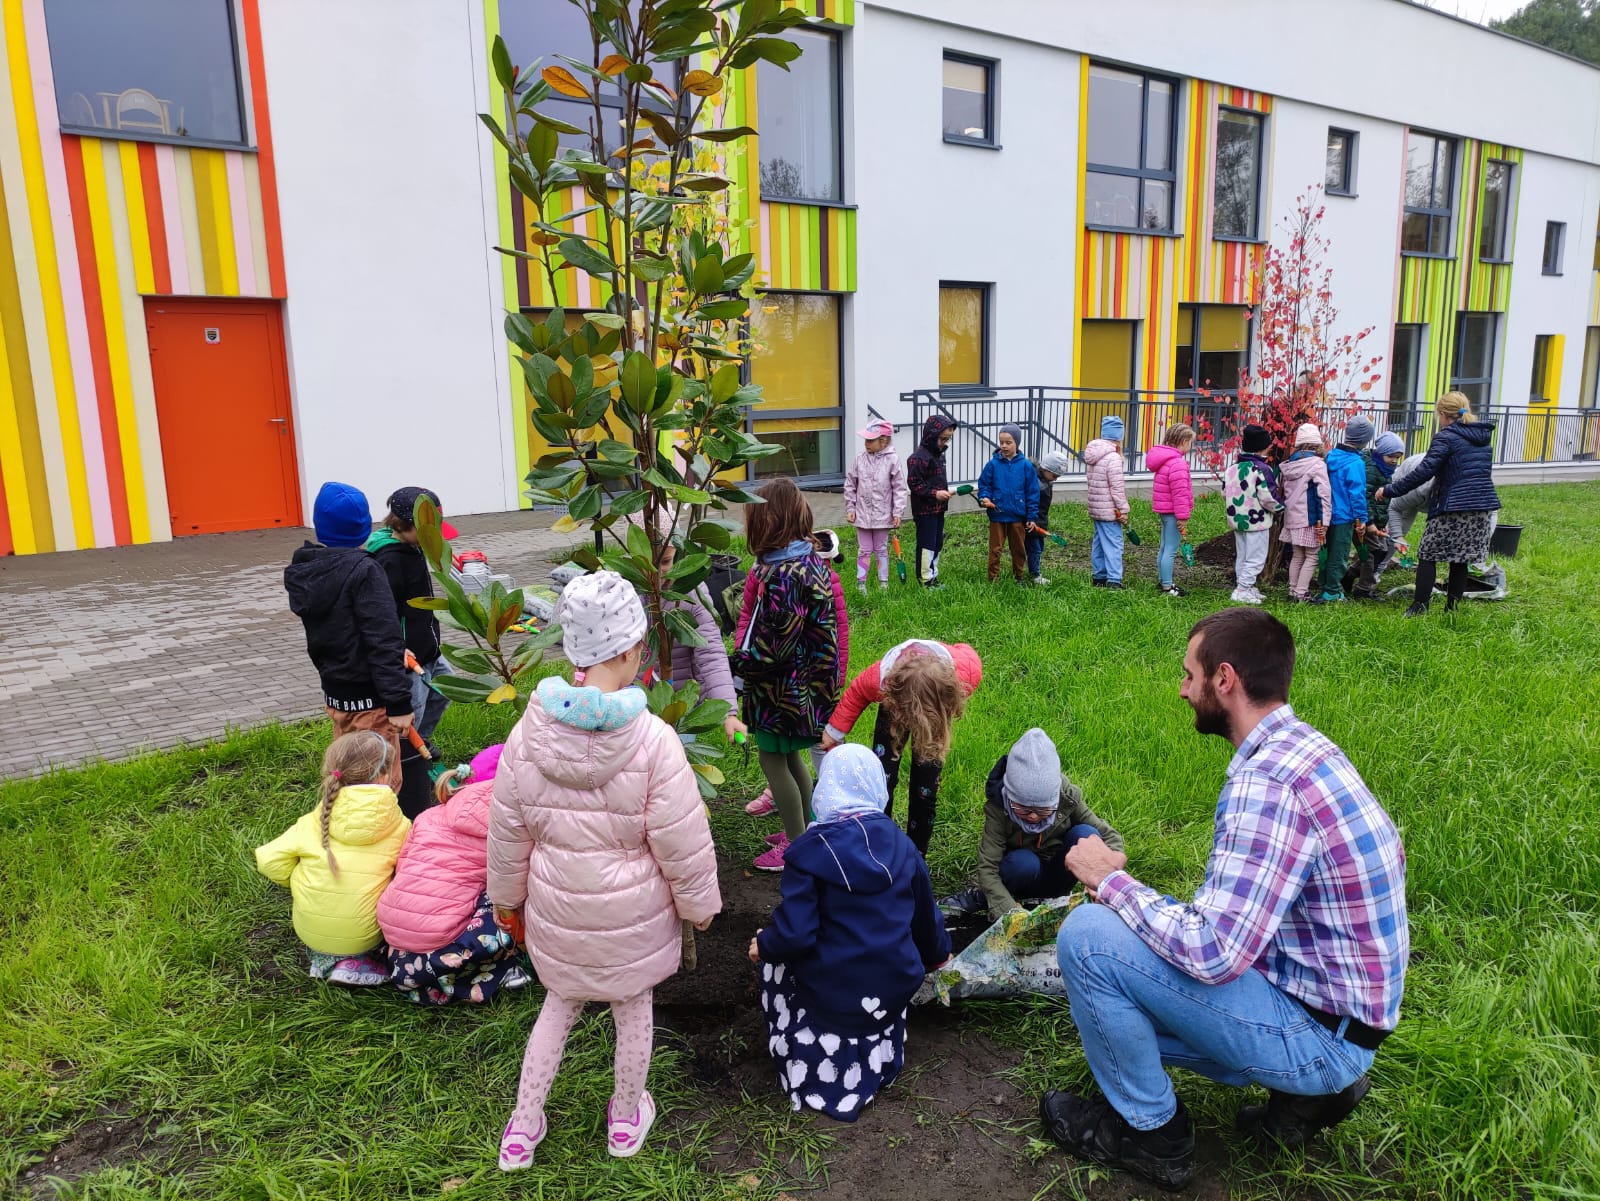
{"type": "Point", "coordinates": [775, 838]}
{"type": "Point", "coordinates": [624, 1137]}
{"type": "Point", "coordinates": [771, 860]}
{"type": "Point", "coordinates": [360, 971]}
{"type": "Point", "coordinates": [516, 1146]}
{"type": "Point", "coordinates": [762, 805]}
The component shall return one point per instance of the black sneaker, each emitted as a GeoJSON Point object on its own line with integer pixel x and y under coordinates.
{"type": "Point", "coordinates": [1172, 590]}
{"type": "Point", "coordinates": [1417, 609]}
{"type": "Point", "coordinates": [936, 582]}
{"type": "Point", "coordinates": [1097, 582]}
{"type": "Point", "coordinates": [1094, 1131]}
{"type": "Point", "coordinates": [1366, 594]}
{"type": "Point", "coordinates": [1117, 584]}
{"type": "Point", "coordinates": [964, 903]}
{"type": "Point", "coordinates": [1292, 1121]}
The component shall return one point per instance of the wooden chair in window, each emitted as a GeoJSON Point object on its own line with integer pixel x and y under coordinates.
{"type": "Point", "coordinates": [137, 109]}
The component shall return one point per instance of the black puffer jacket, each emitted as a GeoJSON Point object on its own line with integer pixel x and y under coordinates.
{"type": "Point", "coordinates": [353, 637]}
{"type": "Point", "coordinates": [408, 576]}
{"type": "Point", "coordinates": [925, 469]}
{"type": "Point", "coordinates": [1459, 462]}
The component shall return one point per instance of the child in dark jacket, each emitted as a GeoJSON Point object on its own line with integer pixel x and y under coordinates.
{"type": "Point", "coordinates": [1052, 465]}
{"type": "Point", "coordinates": [854, 936]}
{"type": "Point", "coordinates": [1376, 550]}
{"type": "Point", "coordinates": [1009, 489]}
{"type": "Point", "coordinates": [1347, 481]}
{"type": "Point", "coordinates": [341, 596]}
{"type": "Point", "coordinates": [930, 494]}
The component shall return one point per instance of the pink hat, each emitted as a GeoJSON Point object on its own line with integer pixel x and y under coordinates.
{"type": "Point", "coordinates": [876, 429]}
{"type": "Point", "coordinates": [486, 762]}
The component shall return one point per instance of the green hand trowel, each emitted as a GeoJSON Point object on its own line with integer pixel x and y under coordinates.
{"type": "Point", "coordinates": [965, 489]}
{"type": "Point", "coordinates": [1133, 535]}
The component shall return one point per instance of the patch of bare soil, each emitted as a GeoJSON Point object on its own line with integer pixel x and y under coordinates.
{"type": "Point", "coordinates": [108, 1140]}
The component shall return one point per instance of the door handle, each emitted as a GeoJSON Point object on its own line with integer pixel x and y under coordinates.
{"type": "Point", "coordinates": [278, 420]}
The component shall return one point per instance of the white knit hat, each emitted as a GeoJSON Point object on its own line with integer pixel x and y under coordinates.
{"type": "Point", "coordinates": [1308, 434]}
{"type": "Point", "coordinates": [600, 618]}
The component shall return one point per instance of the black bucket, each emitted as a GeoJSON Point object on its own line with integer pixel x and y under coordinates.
{"type": "Point", "coordinates": [1504, 541]}
{"type": "Point", "coordinates": [725, 570]}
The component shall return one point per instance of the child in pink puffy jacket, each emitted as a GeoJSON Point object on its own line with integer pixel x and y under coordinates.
{"type": "Point", "coordinates": [875, 500]}
{"type": "Point", "coordinates": [1172, 497]}
{"type": "Point", "coordinates": [598, 835]}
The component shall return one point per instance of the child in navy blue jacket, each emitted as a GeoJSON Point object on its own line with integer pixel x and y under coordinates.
{"type": "Point", "coordinates": [1009, 489]}
{"type": "Point", "coordinates": [856, 932]}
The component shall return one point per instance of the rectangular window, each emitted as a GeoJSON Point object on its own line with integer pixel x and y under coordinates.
{"type": "Point", "coordinates": [1540, 386]}
{"type": "Point", "coordinates": [1555, 245]}
{"type": "Point", "coordinates": [1406, 363]}
{"type": "Point", "coordinates": [1430, 195]}
{"type": "Point", "coordinates": [1132, 119]}
{"type": "Point", "coordinates": [1340, 179]}
{"type": "Point", "coordinates": [1589, 384]}
{"type": "Point", "coordinates": [1211, 348]}
{"type": "Point", "coordinates": [1238, 192]}
{"type": "Point", "coordinates": [1473, 371]}
{"type": "Point", "coordinates": [158, 70]}
{"type": "Point", "coordinates": [1495, 208]}
{"type": "Point", "coordinates": [963, 334]}
{"type": "Point", "coordinates": [798, 115]}
{"type": "Point", "coordinates": [969, 88]}
{"type": "Point", "coordinates": [797, 364]}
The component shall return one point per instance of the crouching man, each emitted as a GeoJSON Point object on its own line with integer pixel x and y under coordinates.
{"type": "Point", "coordinates": [1286, 968]}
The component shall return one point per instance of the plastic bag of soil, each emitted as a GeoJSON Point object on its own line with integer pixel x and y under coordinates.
{"type": "Point", "coordinates": [1012, 958]}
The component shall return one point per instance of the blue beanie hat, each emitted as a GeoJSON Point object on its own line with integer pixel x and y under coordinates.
{"type": "Point", "coordinates": [1388, 444]}
{"type": "Point", "coordinates": [1112, 428]}
{"type": "Point", "coordinates": [341, 516]}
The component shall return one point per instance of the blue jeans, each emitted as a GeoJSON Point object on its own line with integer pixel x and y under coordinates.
{"type": "Point", "coordinates": [1170, 541]}
{"type": "Point", "coordinates": [1034, 544]}
{"type": "Point", "coordinates": [1128, 1003]}
{"type": "Point", "coordinates": [1105, 554]}
{"type": "Point", "coordinates": [427, 706]}
{"type": "Point", "coordinates": [1026, 873]}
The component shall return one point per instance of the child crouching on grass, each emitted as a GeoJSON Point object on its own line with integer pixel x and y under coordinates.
{"type": "Point", "coordinates": [851, 940]}
{"type": "Point", "coordinates": [1032, 816]}
{"type": "Point", "coordinates": [337, 860]}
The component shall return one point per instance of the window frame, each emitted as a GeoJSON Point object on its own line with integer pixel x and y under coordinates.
{"type": "Point", "coordinates": [1502, 257]}
{"type": "Point", "coordinates": [753, 414]}
{"type": "Point", "coordinates": [985, 295]}
{"type": "Point", "coordinates": [1541, 369]}
{"type": "Point", "coordinates": [1352, 139]}
{"type": "Point", "coordinates": [1143, 173]}
{"type": "Point", "coordinates": [1432, 214]}
{"type": "Point", "coordinates": [836, 60]}
{"type": "Point", "coordinates": [1260, 161]}
{"type": "Point", "coordinates": [1412, 409]}
{"type": "Point", "coordinates": [1552, 264]}
{"type": "Point", "coordinates": [991, 93]}
{"type": "Point", "coordinates": [1456, 378]}
{"type": "Point", "coordinates": [246, 122]}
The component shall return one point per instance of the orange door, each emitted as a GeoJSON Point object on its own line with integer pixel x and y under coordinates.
{"type": "Point", "coordinates": [222, 401]}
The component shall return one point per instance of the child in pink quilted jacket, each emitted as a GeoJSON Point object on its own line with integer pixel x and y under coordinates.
{"type": "Point", "coordinates": [1172, 497]}
{"type": "Point", "coordinates": [1108, 502]}
{"type": "Point", "coordinates": [444, 944]}
{"type": "Point", "coordinates": [875, 499]}
{"type": "Point", "coordinates": [598, 835]}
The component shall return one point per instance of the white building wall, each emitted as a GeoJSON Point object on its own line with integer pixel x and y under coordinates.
{"type": "Point", "coordinates": [386, 197]}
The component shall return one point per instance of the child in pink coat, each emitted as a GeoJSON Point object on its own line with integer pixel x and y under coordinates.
{"type": "Point", "coordinates": [1307, 501]}
{"type": "Point", "coordinates": [597, 834]}
{"type": "Point", "coordinates": [444, 944]}
{"type": "Point", "coordinates": [875, 500]}
{"type": "Point", "coordinates": [1172, 497]}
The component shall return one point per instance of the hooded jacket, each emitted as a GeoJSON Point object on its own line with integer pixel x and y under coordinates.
{"type": "Point", "coordinates": [408, 575]}
{"type": "Point", "coordinates": [857, 925]}
{"type": "Point", "coordinates": [1377, 510]}
{"type": "Point", "coordinates": [1460, 464]}
{"type": "Point", "coordinates": [867, 688]}
{"type": "Point", "coordinates": [1013, 485]}
{"type": "Point", "coordinates": [1252, 494]}
{"type": "Point", "coordinates": [338, 915]}
{"type": "Point", "coordinates": [788, 654]}
{"type": "Point", "coordinates": [441, 873]}
{"type": "Point", "coordinates": [1305, 498]}
{"type": "Point", "coordinates": [875, 489]}
{"type": "Point", "coordinates": [1172, 490]}
{"type": "Point", "coordinates": [1001, 834]}
{"type": "Point", "coordinates": [707, 665]}
{"type": "Point", "coordinates": [925, 473]}
{"type": "Point", "coordinates": [1347, 478]}
{"type": "Point", "coordinates": [600, 836]}
{"type": "Point", "coordinates": [1106, 479]}
{"type": "Point", "coordinates": [342, 597]}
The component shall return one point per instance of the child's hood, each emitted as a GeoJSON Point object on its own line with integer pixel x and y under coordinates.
{"type": "Point", "coordinates": [383, 538]}
{"type": "Point", "coordinates": [467, 810]}
{"type": "Point", "coordinates": [865, 854]}
{"type": "Point", "coordinates": [571, 755]}
{"type": "Point", "coordinates": [1098, 449]}
{"type": "Point", "coordinates": [1159, 456]}
{"type": "Point", "coordinates": [316, 577]}
{"type": "Point", "coordinates": [931, 429]}
{"type": "Point", "coordinates": [364, 814]}
{"type": "Point", "coordinates": [1295, 469]}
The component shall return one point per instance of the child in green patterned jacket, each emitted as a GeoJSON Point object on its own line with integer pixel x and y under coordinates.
{"type": "Point", "coordinates": [1253, 495]}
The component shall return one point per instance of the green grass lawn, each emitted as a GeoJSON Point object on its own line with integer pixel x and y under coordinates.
{"type": "Point", "coordinates": [152, 988]}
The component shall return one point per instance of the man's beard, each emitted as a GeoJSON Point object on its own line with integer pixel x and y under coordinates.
{"type": "Point", "coordinates": [1209, 716]}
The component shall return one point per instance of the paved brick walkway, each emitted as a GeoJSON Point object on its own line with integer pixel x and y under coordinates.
{"type": "Point", "coordinates": [104, 653]}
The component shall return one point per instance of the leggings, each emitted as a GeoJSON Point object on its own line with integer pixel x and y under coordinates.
{"type": "Point", "coordinates": [1301, 568]}
{"type": "Point", "coordinates": [869, 543]}
{"type": "Point", "coordinates": [634, 1019]}
{"type": "Point", "coordinates": [789, 777]}
{"type": "Point", "coordinates": [1171, 541]}
{"type": "Point", "coordinates": [923, 799]}
{"type": "Point", "coordinates": [1428, 574]}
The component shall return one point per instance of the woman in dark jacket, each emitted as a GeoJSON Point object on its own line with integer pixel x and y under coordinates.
{"type": "Point", "coordinates": [1462, 505]}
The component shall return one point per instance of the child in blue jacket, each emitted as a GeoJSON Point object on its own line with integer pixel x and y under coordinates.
{"type": "Point", "coordinates": [1009, 489]}
{"type": "Point", "coordinates": [1347, 480]}
{"type": "Point", "coordinates": [856, 932]}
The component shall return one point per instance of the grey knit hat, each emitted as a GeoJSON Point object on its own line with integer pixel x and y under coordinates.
{"type": "Point", "coordinates": [1388, 444]}
{"type": "Point", "coordinates": [1358, 431]}
{"type": "Point", "coordinates": [1033, 772]}
{"type": "Point", "coordinates": [1055, 462]}
{"type": "Point", "coordinates": [1014, 431]}
{"type": "Point", "coordinates": [600, 618]}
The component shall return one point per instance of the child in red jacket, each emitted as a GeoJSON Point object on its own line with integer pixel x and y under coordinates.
{"type": "Point", "coordinates": [1172, 497]}
{"type": "Point", "coordinates": [920, 688]}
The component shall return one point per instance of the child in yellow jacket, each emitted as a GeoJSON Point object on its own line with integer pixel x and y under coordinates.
{"type": "Point", "coordinates": [338, 859]}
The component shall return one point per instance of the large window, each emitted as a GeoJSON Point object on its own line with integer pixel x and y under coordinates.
{"type": "Point", "coordinates": [1555, 245]}
{"type": "Point", "coordinates": [1132, 118]}
{"type": "Point", "coordinates": [798, 115]}
{"type": "Point", "coordinates": [963, 334]}
{"type": "Point", "coordinates": [155, 70]}
{"type": "Point", "coordinates": [1473, 372]}
{"type": "Point", "coordinates": [1406, 362]}
{"type": "Point", "coordinates": [1211, 347]}
{"type": "Point", "coordinates": [797, 366]}
{"type": "Point", "coordinates": [1340, 176]}
{"type": "Point", "coordinates": [1495, 209]}
{"type": "Point", "coordinates": [1238, 193]}
{"type": "Point", "coordinates": [1589, 385]}
{"type": "Point", "coordinates": [1430, 195]}
{"type": "Point", "coordinates": [1545, 380]}
{"type": "Point", "coordinates": [969, 87]}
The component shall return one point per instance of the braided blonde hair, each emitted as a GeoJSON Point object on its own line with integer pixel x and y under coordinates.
{"type": "Point", "coordinates": [358, 758]}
